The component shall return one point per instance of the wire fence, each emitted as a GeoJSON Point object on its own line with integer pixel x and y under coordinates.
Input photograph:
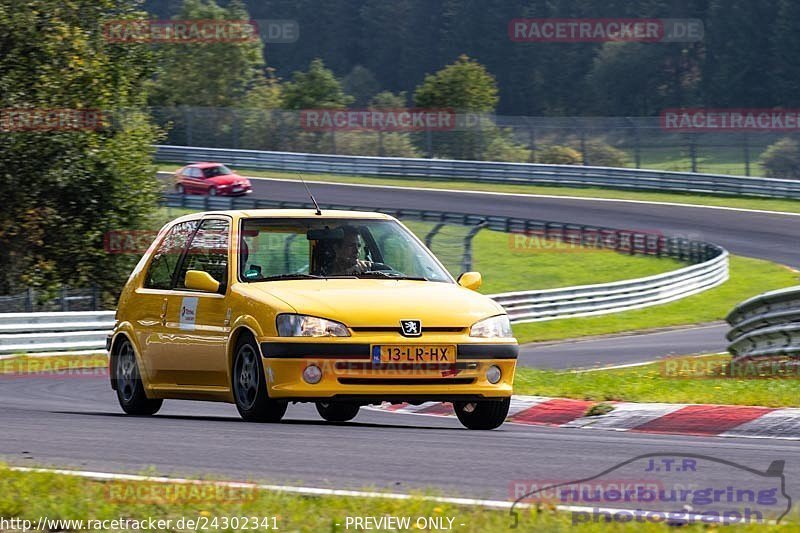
{"type": "Point", "coordinates": [636, 142]}
{"type": "Point", "coordinates": [65, 299]}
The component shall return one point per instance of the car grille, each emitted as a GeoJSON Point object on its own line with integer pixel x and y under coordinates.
{"type": "Point", "coordinates": [396, 329]}
{"type": "Point", "coordinates": [406, 381]}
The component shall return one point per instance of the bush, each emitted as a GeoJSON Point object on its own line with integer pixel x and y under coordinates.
{"type": "Point", "coordinates": [559, 155]}
{"type": "Point", "coordinates": [503, 149]}
{"type": "Point", "coordinates": [782, 160]}
{"type": "Point", "coordinates": [600, 154]}
{"type": "Point", "coordinates": [395, 144]}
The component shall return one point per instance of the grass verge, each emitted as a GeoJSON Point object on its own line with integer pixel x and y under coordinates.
{"type": "Point", "coordinates": [748, 277]}
{"type": "Point", "coordinates": [508, 263]}
{"type": "Point", "coordinates": [693, 379]}
{"type": "Point", "coordinates": [30, 496]}
{"type": "Point", "coordinates": [57, 364]}
{"type": "Point", "coordinates": [766, 204]}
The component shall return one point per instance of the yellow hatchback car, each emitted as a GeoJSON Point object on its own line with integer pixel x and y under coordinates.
{"type": "Point", "coordinates": [344, 309]}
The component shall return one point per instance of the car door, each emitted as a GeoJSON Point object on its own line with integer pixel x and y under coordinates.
{"type": "Point", "coordinates": [196, 180]}
{"type": "Point", "coordinates": [148, 315]}
{"type": "Point", "coordinates": [198, 323]}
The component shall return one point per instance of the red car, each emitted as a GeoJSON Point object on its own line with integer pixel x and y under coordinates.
{"type": "Point", "coordinates": [214, 179]}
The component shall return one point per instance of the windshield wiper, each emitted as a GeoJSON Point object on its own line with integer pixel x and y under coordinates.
{"type": "Point", "coordinates": [288, 276]}
{"type": "Point", "coordinates": [384, 274]}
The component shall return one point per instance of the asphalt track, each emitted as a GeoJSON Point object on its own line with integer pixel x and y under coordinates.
{"type": "Point", "coordinates": [75, 422]}
{"type": "Point", "coordinates": [625, 349]}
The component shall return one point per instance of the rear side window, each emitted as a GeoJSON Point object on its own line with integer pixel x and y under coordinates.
{"type": "Point", "coordinates": [208, 252]}
{"type": "Point", "coordinates": [167, 255]}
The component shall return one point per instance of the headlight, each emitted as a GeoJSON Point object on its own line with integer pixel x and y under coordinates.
{"type": "Point", "coordinates": [309, 326]}
{"type": "Point", "coordinates": [491, 328]}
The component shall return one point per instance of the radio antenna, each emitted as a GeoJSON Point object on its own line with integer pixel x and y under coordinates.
{"type": "Point", "coordinates": [316, 205]}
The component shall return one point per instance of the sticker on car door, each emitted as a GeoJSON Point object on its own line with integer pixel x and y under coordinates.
{"type": "Point", "coordinates": [188, 315]}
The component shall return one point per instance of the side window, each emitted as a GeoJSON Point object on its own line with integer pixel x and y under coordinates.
{"type": "Point", "coordinates": [166, 256]}
{"type": "Point", "coordinates": [195, 173]}
{"type": "Point", "coordinates": [208, 252]}
{"type": "Point", "coordinates": [271, 253]}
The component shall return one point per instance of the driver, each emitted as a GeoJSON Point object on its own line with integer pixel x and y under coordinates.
{"type": "Point", "coordinates": [346, 261]}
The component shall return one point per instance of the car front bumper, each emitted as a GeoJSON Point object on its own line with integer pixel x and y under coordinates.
{"type": "Point", "coordinates": [348, 373]}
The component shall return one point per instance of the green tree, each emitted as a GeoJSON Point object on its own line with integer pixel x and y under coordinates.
{"type": "Point", "coordinates": [207, 74]}
{"type": "Point", "coordinates": [263, 121]}
{"type": "Point", "coordinates": [315, 88]}
{"type": "Point", "coordinates": [464, 85]}
{"type": "Point", "coordinates": [62, 191]}
{"type": "Point", "coordinates": [470, 90]}
{"type": "Point", "coordinates": [361, 85]}
{"type": "Point", "coordinates": [200, 81]}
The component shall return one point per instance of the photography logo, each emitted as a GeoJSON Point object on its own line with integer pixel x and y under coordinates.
{"type": "Point", "coordinates": [669, 488]}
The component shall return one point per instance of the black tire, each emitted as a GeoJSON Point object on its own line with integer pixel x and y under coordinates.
{"type": "Point", "coordinates": [249, 386]}
{"type": "Point", "coordinates": [130, 391]}
{"type": "Point", "coordinates": [180, 189]}
{"type": "Point", "coordinates": [212, 191]}
{"type": "Point", "coordinates": [485, 414]}
{"type": "Point", "coordinates": [337, 412]}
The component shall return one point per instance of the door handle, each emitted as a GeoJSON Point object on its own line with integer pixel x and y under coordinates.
{"type": "Point", "coordinates": [164, 312]}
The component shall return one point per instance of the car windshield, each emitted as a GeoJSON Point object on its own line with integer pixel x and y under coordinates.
{"type": "Point", "coordinates": [219, 170]}
{"type": "Point", "coordinates": [272, 249]}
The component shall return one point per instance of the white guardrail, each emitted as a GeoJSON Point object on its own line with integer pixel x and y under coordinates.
{"type": "Point", "coordinates": [487, 171]}
{"type": "Point", "coordinates": [767, 325]}
{"type": "Point", "coordinates": [54, 332]}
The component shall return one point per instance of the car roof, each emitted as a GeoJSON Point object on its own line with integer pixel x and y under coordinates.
{"type": "Point", "coordinates": [204, 164]}
{"type": "Point", "coordinates": [289, 213]}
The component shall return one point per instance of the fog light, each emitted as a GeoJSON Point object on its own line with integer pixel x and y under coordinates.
{"type": "Point", "coordinates": [312, 374]}
{"type": "Point", "coordinates": [493, 374]}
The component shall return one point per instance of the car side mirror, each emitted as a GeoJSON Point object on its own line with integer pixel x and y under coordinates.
{"type": "Point", "coordinates": [470, 280]}
{"type": "Point", "coordinates": [198, 280]}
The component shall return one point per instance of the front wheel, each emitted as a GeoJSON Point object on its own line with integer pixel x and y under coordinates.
{"type": "Point", "coordinates": [486, 414]}
{"type": "Point", "coordinates": [212, 191]}
{"type": "Point", "coordinates": [337, 412]}
{"type": "Point", "coordinates": [250, 387]}
{"type": "Point", "coordinates": [130, 391]}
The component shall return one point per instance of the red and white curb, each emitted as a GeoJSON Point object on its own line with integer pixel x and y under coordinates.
{"type": "Point", "coordinates": [663, 418]}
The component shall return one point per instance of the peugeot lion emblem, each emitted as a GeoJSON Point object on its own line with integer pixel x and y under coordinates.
{"type": "Point", "coordinates": [411, 328]}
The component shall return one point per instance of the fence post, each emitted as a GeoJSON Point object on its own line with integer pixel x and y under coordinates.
{"type": "Point", "coordinates": [188, 118]}
{"type": "Point", "coordinates": [429, 142]}
{"type": "Point", "coordinates": [637, 146]}
{"type": "Point", "coordinates": [466, 262]}
{"type": "Point", "coordinates": [432, 233]}
{"type": "Point", "coordinates": [95, 298]}
{"type": "Point", "coordinates": [693, 151]}
{"type": "Point", "coordinates": [746, 155]}
{"type": "Point", "coordinates": [29, 300]}
{"type": "Point", "coordinates": [532, 143]}
{"type": "Point", "coordinates": [584, 155]}
{"type": "Point", "coordinates": [64, 301]}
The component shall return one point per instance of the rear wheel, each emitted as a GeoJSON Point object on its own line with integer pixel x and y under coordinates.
{"type": "Point", "coordinates": [486, 414]}
{"type": "Point", "coordinates": [250, 387]}
{"type": "Point", "coordinates": [180, 189]}
{"type": "Point", "coordinates": [130, 391]}
{"type": "Point", "coordinates": [337, 412]}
